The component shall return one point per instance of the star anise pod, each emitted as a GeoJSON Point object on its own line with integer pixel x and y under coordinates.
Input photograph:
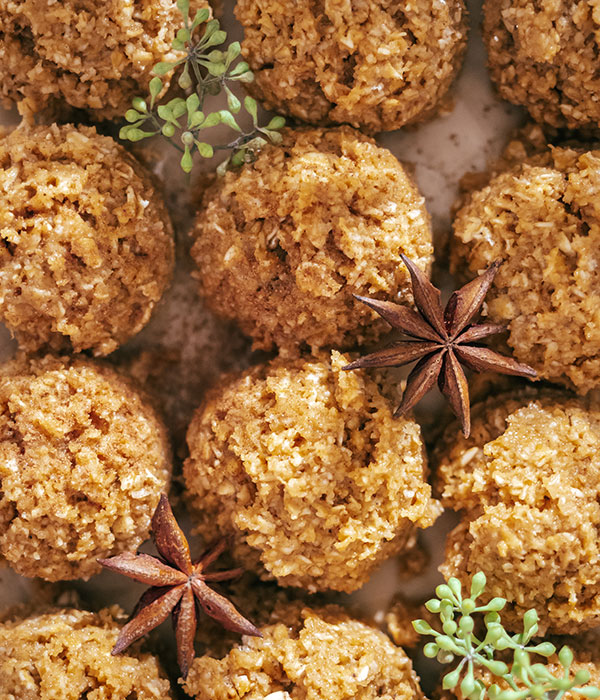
{"type": "Point", "coordinates": [441, 340]}
{"type": "Point", "coordinates": [176, 584]}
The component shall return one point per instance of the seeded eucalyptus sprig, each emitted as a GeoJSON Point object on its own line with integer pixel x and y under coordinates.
{"type": "Point", "coordinates": [207, 71]}
{"type": "Point", "coordinates": [458, 640]}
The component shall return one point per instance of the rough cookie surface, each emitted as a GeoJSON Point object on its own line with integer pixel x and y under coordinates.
{"type": "Point", "coordinates": [542, 219]}
{"type": "Point", "coordinates": [83, 461]}
{"type": "Point", "coordinates": [87, 243]}
{"type": "Point", "coordinates": [284, 242]}
{"type": "Point", "coordinates": [304, 465]}
{"type": "Point", "coordinates": [544, 56]}
{"type": "Point", "coordinates": [308, 654]}
{"type": "Point", "coordinates": [83, 54]}
{"type": "Point", "coordinates": [66, 654]}
{"type": "Point", "coordinates": [377, 65]}
{"type": "Point", "coordinates": [528, 482]}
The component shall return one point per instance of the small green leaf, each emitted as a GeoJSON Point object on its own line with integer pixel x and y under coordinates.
{"type": "Point", "coordinates": [241, 68]}
{"type": "Point", "coordinates": [496, 604]}
{"type": "Point", "coordinates": [205, 149]}
{"type": "Point", "coordinates": [201, 16]}
{"type": "Point", "coordinates": [433, 605]}
{"type": "Point", "coordinates": [216, 38]}
{"type": "Point", "coordinates": [192, 103]}
{"type": "Point", "coordinates": [216, 69]}
{"type": "Point", "coordinates": [195, 120]}
{"type": "Point", "coordinates": [216, 56]}
{"type": "Point", "coordinates": [211, 120]}
{"type": "Point", "coordinates": [238, 158]}
{"type": "Point", "coordinates": [590, 692]}
{"type": "Point", "coordinates": [165, 112]}
{"type": "Point", "coordinates": [211, 28]}
{"type": "Point", "coordinates": [178, 107]}
{"type": "Point", "coordinates": [276, 123]}
{"type": "Point", "coordinates": [228, 119]}
{"type": "Point", "coordinates": [124, 133]}
{"type": "Point", "coordinates": [251, 107]}
{"type": "Point", "coordinates": [184, 7]}
{"type": "Point", "coordinates": [233, 51]}
{"type": "Point", "coordinates": [178, 45]}
{"type": "Point", "coordinates": [156, 85]}
{"type": "Point", "coordinates": [455, 587]}
{"type": "Point", "coordinates": [422, 627]}
{"type": "Point", "coordinates": [183, 35]}
{"type": "Point", "coordinates": [187, 162]}
{"type": "Point", "coordinates": [163, 68]}
{"type": "Point", "coordinates": [247, 77]}
{"type": "Point", "coordinates": [232, 101]}
{"type": "Point", "coordinates": [168, 130]}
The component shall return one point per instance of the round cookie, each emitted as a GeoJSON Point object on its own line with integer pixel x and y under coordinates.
{"type": "Point", "coordinates": [83, 461]}
{"type": "Point", "coordinates": [91, 56]}
{"type": "Point", "coordinates": [305, 467]}
{"type": "Point", "coordinates": [87, 245]}
{"type": "Point", "coordinates": [373, 64]}
{"type": "Point", "coordinates": [527, 482]}
{"type": "Point", "coordinates": [544, 56]}
{"type": "Point", "coordinates": [66, 653]}
{"type": "Point", "coordinates": [542, 219]}
{"type": "Point", "coordinates": [308, 654]}
{"type": "Point", "coordinates": [284, 242]}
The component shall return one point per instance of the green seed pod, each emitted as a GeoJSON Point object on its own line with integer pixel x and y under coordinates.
{"type": "Point", "coordinates": [450, 627]}
{"type": "Point", "coordinates": [187, 139]}
{"type": "Point", "coordinates": [467, 606]}
{"type": "Point", "coordinates": [466, 624]}
{"type": "Point", "coordinates": [187, 162]}
{"type": "Point", "coordinates": [565, 656]}
{"type": "Point", "coordinates": [139, 104]}
{"type": "Point", "coordinates": [433, 605]}
{"type": "Point", "coordinates": [132, 116]}
{"type": "Point", "coordinates": [168, 130]}
{"type": "Point", "coordinates": [498, 668]}
{"type": "Point", "coordinates": [445, 657]}
{"type": "Point", "coordinates": [431, 650]}
{"type": "Point", "coordinates": [543, 649]}
{"type": "Point", "coordinates": [451, 679]}
{"type": "Point", "coordinates": [443, 592]}
{"type": "Point", "coordinates": [582, 676]}
{"type": "Point", "coordinates": [468, 684]}
{"type": "Point", "coordinates": [455, 587]}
